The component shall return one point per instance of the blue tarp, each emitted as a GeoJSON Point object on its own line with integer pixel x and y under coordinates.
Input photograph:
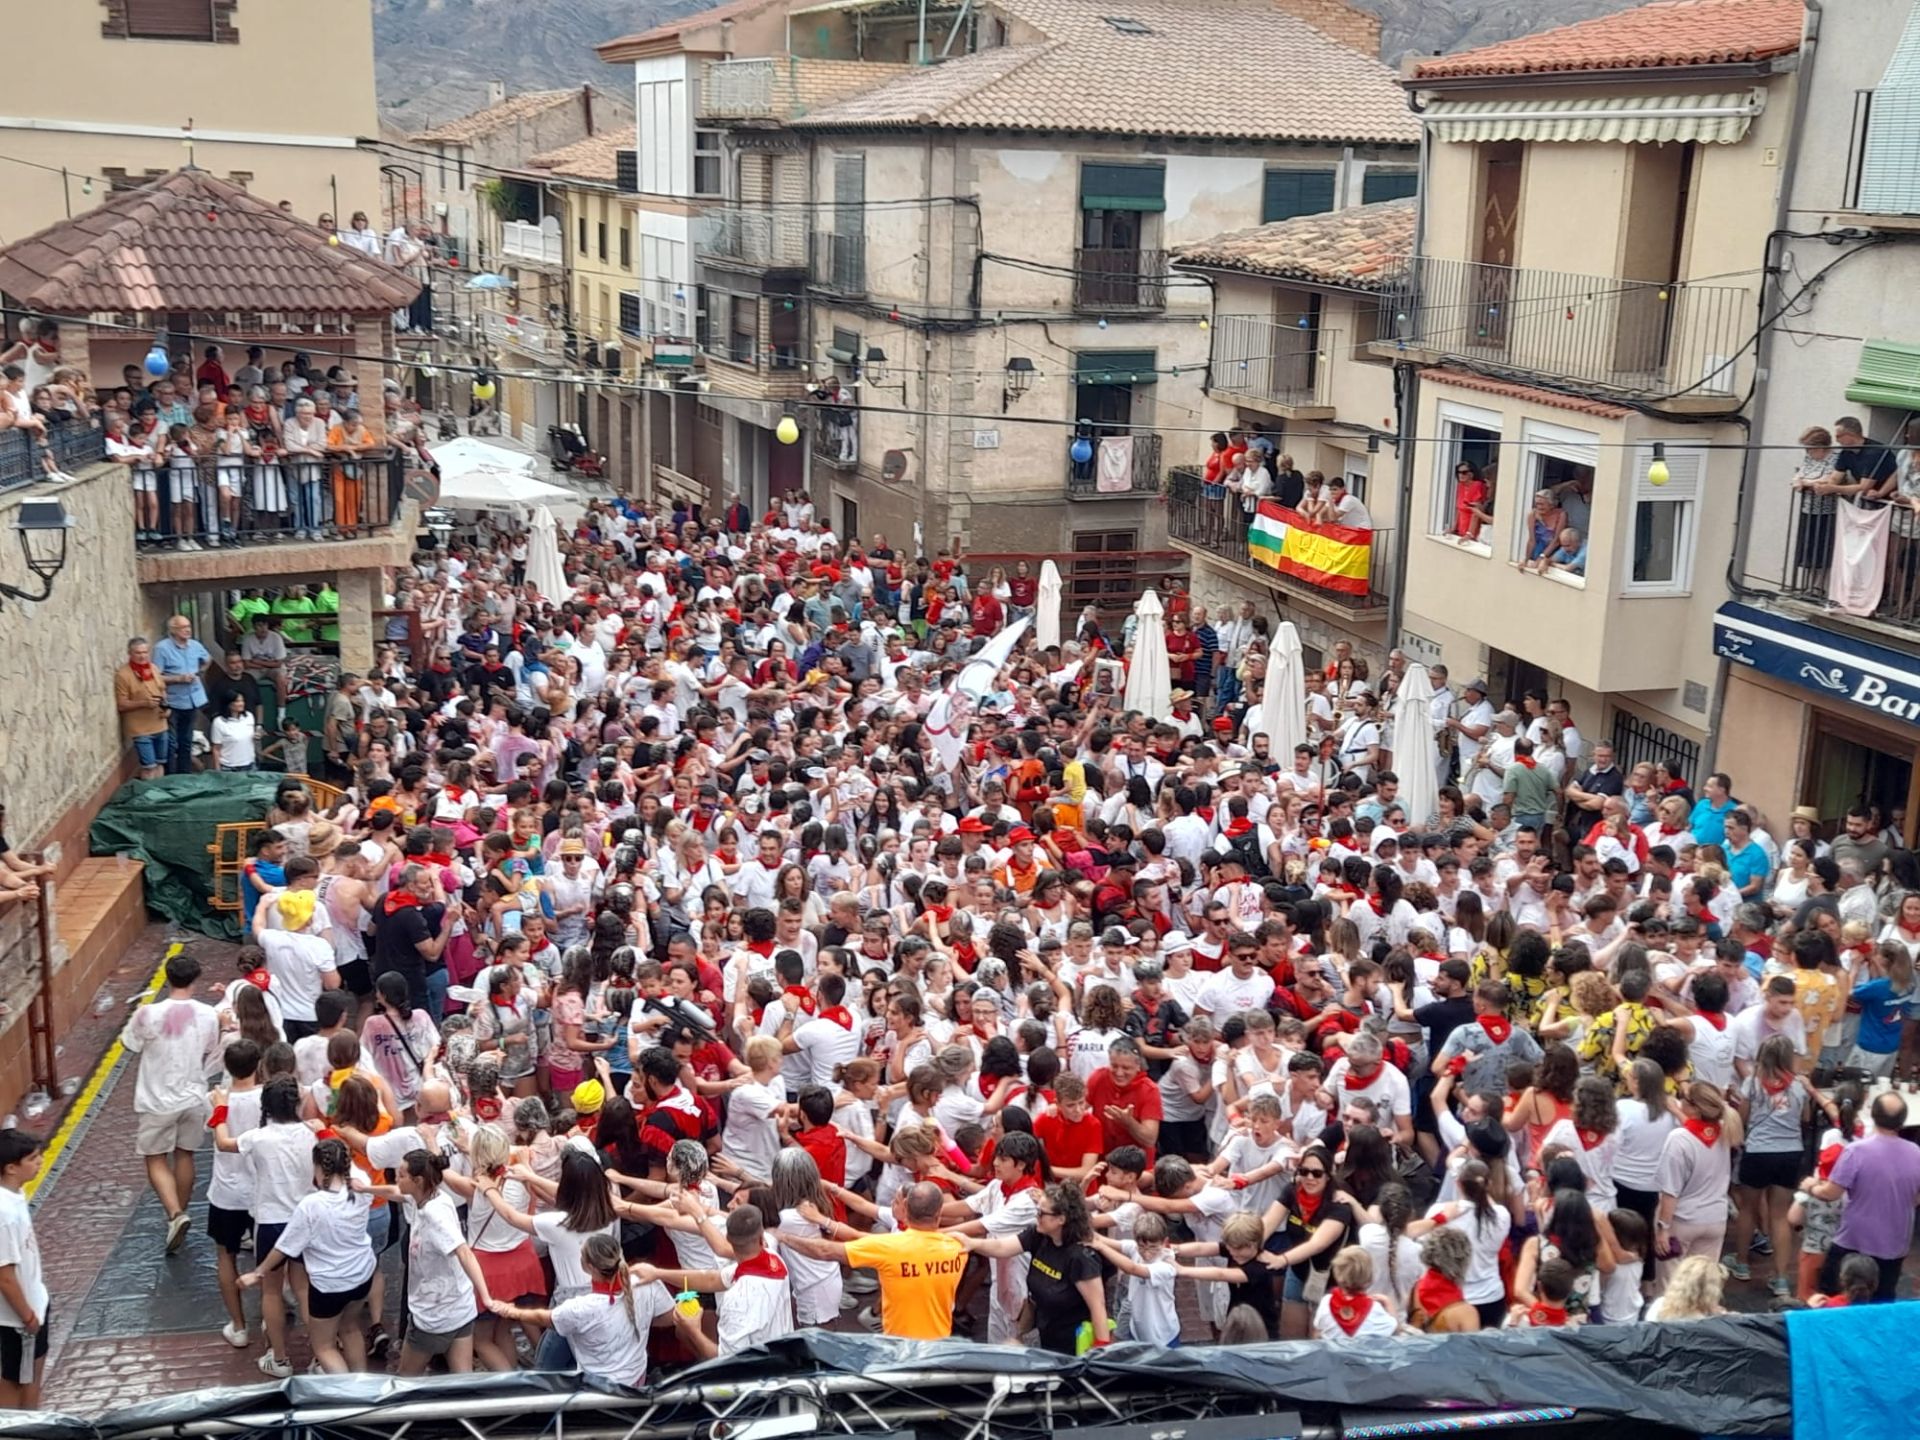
{"type": "Point", "coordinates": [1853, 1371]}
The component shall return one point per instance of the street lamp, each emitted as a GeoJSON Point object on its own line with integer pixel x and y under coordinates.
{"type": "Point", "coordinates": [42, 526]}
{"type": "Point", "coordinates": [876, 366]}
{"type": "Point", "coordinates": [1020, 376]}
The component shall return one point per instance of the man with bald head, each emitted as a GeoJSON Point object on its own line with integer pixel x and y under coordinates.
{"type": "Point", "coordinates": [918, 1263]}
{"type": "Point", "coordinates": [182, 661]}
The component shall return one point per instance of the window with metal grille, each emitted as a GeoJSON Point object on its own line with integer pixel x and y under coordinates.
{"type": "Point", "coordinates": [169, 19]}
{"type": "Point", "coordinates": [1288, 193]}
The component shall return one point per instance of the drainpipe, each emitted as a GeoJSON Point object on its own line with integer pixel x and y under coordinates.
{"type": "Point", "coordinates": [1762, 352]}
{"type": "Point", "coordinates": [1406, 385]}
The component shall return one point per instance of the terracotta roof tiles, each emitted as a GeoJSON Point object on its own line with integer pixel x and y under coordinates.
{"type": "Point", "coordinates": [511, 111]}
{"type": "Point", "coordinates": [1665, 35]}
{"type": "Point", "coordinates": [1513, 390]}
{"type": "Point", "coordinates": [1089, 76]}
{"type": "Point", "coordinates": [1357, 248]}
{"type": "Point", "coordinates": [673, 29]}
{"type": "Point", "coordinates": [190, 241]}
{"type": "Point", "coordinates": [593, 158]}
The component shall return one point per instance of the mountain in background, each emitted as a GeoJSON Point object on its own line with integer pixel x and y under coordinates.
{"type": "Point", "coordinates": [435, 57]}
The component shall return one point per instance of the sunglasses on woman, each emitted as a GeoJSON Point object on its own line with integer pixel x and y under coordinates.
{"type": "Point", "coordinates": [1306, 1174]}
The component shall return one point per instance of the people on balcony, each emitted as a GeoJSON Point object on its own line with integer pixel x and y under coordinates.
{"type": "Point", "coordinates": [1543, 526]}
{"type": "Point", "coordinates": [1472, 501]}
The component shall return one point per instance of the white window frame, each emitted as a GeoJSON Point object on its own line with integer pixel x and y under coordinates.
{"type": "Point", "coordinates": [1440, 514]}
{"type": "Point", "coordinates": [1682, 490]}
{"type": "Point", "coordinates": [1556, 442]}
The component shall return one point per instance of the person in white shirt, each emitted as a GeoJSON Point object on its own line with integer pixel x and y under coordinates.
{"type": "Point", "coordinates": [751, 1137]}
{"type": "Point", "coordinates": [1239, 988]}
{"type": "Point", "coordinates": [753, 1297]}
{"type": "Point", "coordinates": [177, 1040]}
{"type": "Point", "coordinates": [607, 1326]}
{"type": "Point", "coordinates": [1348, 1311]}
{"type": "Point", "coordinates": [23, 1288]}
{"type": "Point", "coordinates": [1346, 509]}
{"type": "Point", "coordinates": [232, 735]}
{"type": "Point", "coordinates": [301, 965]}
{"type": "Point", "coordinates": [327, 1233]}
{"type": "Point", "coordinates": [278, 1154]}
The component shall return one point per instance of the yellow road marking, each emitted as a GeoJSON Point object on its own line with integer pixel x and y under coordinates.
{"type": "Point", "coordinates": [89, 1095]}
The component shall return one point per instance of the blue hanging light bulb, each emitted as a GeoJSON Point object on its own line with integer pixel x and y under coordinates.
{"type": "Point", "coordinates": [1302, 323]}
{"type": "Point", "coordinates": [1081, 450]}
{"type": "Point", "coordinates": [157, 363]}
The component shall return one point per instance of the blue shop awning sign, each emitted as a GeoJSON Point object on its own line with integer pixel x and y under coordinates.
{"type": "Point", "coordinates": [1872, 677]}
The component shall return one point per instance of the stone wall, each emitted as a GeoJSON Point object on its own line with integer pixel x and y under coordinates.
{"type": "Point", "coordinates": [59, 731]}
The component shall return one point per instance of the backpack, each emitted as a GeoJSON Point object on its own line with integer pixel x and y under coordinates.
{"type": "Point", "coordinates": [1247, 849]}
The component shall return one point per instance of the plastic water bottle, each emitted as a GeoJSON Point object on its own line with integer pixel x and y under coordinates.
{"type": "Point", "coordinates": [103, 1002]}
{"type": "Point", "coordinates": [37, 1103]}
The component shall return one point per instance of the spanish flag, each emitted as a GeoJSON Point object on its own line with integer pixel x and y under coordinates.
{"type": "Point", "coordinates": [1331, 557]}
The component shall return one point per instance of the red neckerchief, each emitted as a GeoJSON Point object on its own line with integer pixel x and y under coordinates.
{"type": "Point", "coordinates": [1546, 1315]}
{"type": "Point", "coordinates": [487, 1108]}
{"type": "Point", "coordinates": [1205, 812]}
{"type": "Point", "coordinates": [1307, 1205]}
{"type": "Point", "coordinates": [1836, 1302]}
{"type": "Point", "coordinates": [839, 1015]}
{"type": "Point", "coordinates": [609, 1288]}
{"type": "Point", "coordinates": [1238, 827]}
{"type": "Point", "coordinates": [1705, 1132]}
{"type": "Point", "coordinates": [1025, 1182]}
{"type": "Point", "coordinates": [1498, 1027]}
{"type": "Point", "coordinates": [1373, 904]}
{"type": "Point", "coordinates": [801, 993]}
{"type": "Point", "coordinates": [398, 900]}
{"type": "Point", "coordinates": [1526, 760]}
{"type": "Point", "coordinates": [1715, 1018]}
{"type": "Point", "coordinates": [758, 1012]}
{"type": "Point", "coordinates": [762, 948]}
{"type": "Point", "coordinates": [144, 671]}
{"type": "Point", "coordinates": [1434, 1292]}
{"type": "Point", "coordinates": [1355, 1081]}
{"type": "Point", "coordinates": [1349, 1311]}
{"type": "Point", "coordinates": [766, 1265]}
{"type": "Point", "coordinates": [1776, 1088]}
{"type": "Point", "coordinates": [941, 913]}
{"type": "Point", "coordinates": [1589, 1139]}
{"type": "Point", "coordinates": [436, 860]}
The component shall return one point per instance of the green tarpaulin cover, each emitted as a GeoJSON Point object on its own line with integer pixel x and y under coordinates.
{"type": "Point", "coordinates": [169, 823]}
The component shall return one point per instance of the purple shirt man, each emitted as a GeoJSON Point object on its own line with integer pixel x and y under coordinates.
{"type": "Point", "coordinates": [1880, 1177]}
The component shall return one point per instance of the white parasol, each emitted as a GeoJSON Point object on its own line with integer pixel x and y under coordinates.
{"type": "Point", "coordinates": [1413, 757]}
{"type": "Point", "coordinates": [1282, 716]}
{"type": "Point", "coordinates": [1149, 677]}
{"type": "Point", "coordinates": [544, 571]}
{"type": "Point", "coordinates": [1046, 614]}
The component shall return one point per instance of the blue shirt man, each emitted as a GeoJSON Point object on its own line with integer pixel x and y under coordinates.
{"type": "Point", "coordinates": [182, 655]}
{"type": "Point", "coordinates": [1708, 822]}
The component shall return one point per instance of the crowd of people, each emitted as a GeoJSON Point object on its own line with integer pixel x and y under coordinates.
{"type": "Point", "coordinates": [681, 966]}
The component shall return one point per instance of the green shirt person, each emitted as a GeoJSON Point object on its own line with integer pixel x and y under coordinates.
{"type": "Point", "coordinates": [250, 604]}
{"type": "Point", "coordinates": [326, 603]}
{"type": "Point", "coordinates": [1529, 788]}
{"type": "Point", "coordinates": [294, 607]}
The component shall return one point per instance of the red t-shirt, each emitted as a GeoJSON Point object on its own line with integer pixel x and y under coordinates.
{"type": "Point", "coordinates": [1023, 590]}
{"type": "Point", "coordinates": [1142, 1097]}
{"type": "Point", "coordinates": [987, 615]}
{"type": "Point", "coordinates": [1068, 1146]}
{"type": "Point", "coordinates": [1183, 648]}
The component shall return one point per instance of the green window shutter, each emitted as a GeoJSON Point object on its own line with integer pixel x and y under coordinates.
{"type": "Point", "coordinates": [1296, 192]}
{"type": "Point", "coordinates": [1115, 367]}
{"type": "Point", "coordinates": [1122, 187]}
{"type": "Point", "coordinates": [1388, 185]}
{"type": "Point", "coordinates": [1888, 374]}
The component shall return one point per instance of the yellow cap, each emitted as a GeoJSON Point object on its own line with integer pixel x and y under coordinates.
{"type": "Point", "coordinates": [588, 1096]}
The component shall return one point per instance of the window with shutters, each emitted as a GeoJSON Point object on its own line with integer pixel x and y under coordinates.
{"type": "Point", "coordinates": [1288, 193]}
{"type": "Point", "coordinates": [1886, 147]}
{"type": "Point", "coordinates": [1665, 521]}
{"type": "Point", "coordinates": [204, 21]}
{"type": "Point", "coordinates": [1378, 184]}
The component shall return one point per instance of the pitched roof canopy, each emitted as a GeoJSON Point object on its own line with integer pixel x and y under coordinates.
{"type": "Point", "coordinates": [1670, 34]}
{"type": "Point", "coordinates": [190, 241]}
{"type": "Point", "coordinates": [1358, 248]}
{"type": "Point", "coordinates": [594, 158]}
{"type": "Point", "coordinates": [1146, 67]}
{"type": "Point", "coordinates": [511, 111]}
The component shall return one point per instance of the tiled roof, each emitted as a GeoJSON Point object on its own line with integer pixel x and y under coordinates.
{"type": "Point", "coordinates": [1090, 77]}
{"type": "Point", "coordinates": [1357, 248]}
{"type": "Point", "coordinates": [511, 111]}
{"type": "Point", "coordinates": [189, 241]}
{"type": "Point", "coordinates": [673, 29]}
{"type": "Point", "coordinates": [1669, 34]}
{"type": "Point", "coordinates": [588, 159]}
{"type": "Point", "coordinates": [1513, 390]}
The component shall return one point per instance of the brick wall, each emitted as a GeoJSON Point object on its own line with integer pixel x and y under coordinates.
{"type": "Point", "coordinates": [1349, 25]}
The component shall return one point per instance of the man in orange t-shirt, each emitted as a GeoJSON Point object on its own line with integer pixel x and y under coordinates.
{"type": "Point", "coordinates": [919, 1266]}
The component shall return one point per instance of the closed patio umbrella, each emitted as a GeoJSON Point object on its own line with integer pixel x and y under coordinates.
{"type": "Point", "coordinates": [1046, 613]}
{"type": "Point", "coordinates": [1413, 754]}
{"type": "Point", "coordinates": [1149, 677]}
{"type": "Point", "coordinates": [1283, 703]}
{"type": "Point", "coordinates": [543, 559]}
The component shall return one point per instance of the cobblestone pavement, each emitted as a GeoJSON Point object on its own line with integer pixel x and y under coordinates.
{"type": "Point", "coordinates": [131, 1323]}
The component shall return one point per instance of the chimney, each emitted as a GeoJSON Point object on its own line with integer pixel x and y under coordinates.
{"type": "Point", "coordinates": [586, 106]}
{"type": "Point", "coordinates": [496, 93]}
{"type": "Point", "coordinates": [726, 38]}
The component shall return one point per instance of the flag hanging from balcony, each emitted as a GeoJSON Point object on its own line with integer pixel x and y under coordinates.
{"type": "Point", "coordinates": [1331, 557]}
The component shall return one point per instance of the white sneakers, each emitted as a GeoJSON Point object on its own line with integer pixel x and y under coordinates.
{"type": "Point", "coordinates": [177, 1231]}
{"type": "Point", "coordinates": [276, 1368]}
{"type": "Point", "coordinates": [234, 1336]}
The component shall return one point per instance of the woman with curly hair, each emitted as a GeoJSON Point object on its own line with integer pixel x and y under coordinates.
{"type": "Point", "coordinates": [1065, 1291]}
{"type": "Point", "coordinates": [1103, 1019]}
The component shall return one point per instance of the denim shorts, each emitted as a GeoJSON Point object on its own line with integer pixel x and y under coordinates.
{"type": "Point", "coordinates": [153, 749]}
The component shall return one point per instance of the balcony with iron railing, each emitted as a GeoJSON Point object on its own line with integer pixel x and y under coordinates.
{"type": "Point", "coordinates": [1118, 281]}
{"type": "Point", "coordinates": [747, 238]}
{"type": "Point", "coordinates": [279, 501]}
{"type": "Point", "coordinates": [1790, 562]}
{"type": "Point", "coordinates": [633, 323]}
{"type": "Point", "coordinates": [26, 458]}
{"type": "Point", "coordinates": [528, 336]}
{"type": "Point", "coordinates": [1266, 365]}
{"type": "Point", "coordinates": [1215, 527]}
{"type": "Point", "coordinates": [840, 263]}
{"type": "Point", "coordinates": [1106, 474]}
{"type": "Point", "coordinates": [1674, 341]}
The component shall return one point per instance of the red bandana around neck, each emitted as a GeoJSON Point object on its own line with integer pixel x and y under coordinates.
{"type": "Point", "coordinates": [941, 913]}
{"type": "Point", "coordinates": [839, 1015]}
{"type": "Point", "coordinates": [1546, 1316]}
{"type": "Point", "coordinates": [1776, 1087]}
{"type": "Point", "coordinates": [1434, 1292]}
{"type": "Point", "coordinates": [803, 995]}
{"type": "Point", "coordinates": [1715, 1018]}
{"type": "Point", "coordinates": [398, 900]}
{"type": "Point", "coordinates": [1237, 827]}
{"type": "Point", "coordinates": [1356, 1081]}
{"type": "Point", "coordinates": [1590, 1138]}
{"type": "Point", "coordinates": [766, 1265]}
{"type": "Point", "coordinates": [609, 1288]}
{"type": "Point", "coordinates": [1307, 1204]}
{"type": "Point", "coordinates": [1705, 1131]}
{"type": "Point", "coordinates": [1498, 1027]}
{"type": "Point", "coordinates": [1349, 1310]}
{"type": "Point", "coordinates": [1526, 760]}
{"type": "Point", "coordinates": [143, 671]}
{"type": "Point", "coordinates": [1025, 1182]}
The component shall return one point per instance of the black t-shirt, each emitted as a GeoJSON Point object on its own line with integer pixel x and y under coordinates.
{"type": "Point", "coordinates": [397, 938]}
{"type": "Point", "coordinates": [222, 687]}
{"type": "Point", "coordinates": [1298, 1229]}
{"type": "Point", "coordinates": [1290, 488]}
{"type": "Point", "coordinates": [1440, 1018]}
{"type": "Point", "coordinates": [1059, 1309]}
{"type": "Point", "coordinates": [1262, 1292]}
{"type": "Point", "coordinates": [1871, 461]}
{"type": "Point", "coordinates": [1603, 782]}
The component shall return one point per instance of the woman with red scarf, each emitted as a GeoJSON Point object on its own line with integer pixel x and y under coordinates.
{"type": "Point", "coordinates": [141, 697]}
{"type": "Point", "coordinates": [1307, 1226]}
{"type": "Point", "coordinates": [1438, 1305]}
{"type": "Point", "coordinates": [1696, 1167]}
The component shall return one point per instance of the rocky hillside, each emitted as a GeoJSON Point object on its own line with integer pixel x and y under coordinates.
{"type": "Point", "coordinates": [436, 56]}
